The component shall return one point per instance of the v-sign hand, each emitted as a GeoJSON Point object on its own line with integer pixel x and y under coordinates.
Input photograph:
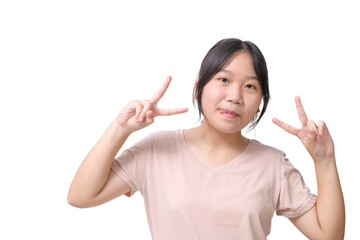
{"type": "Point", "coordinates": [315, 138]}
{"type": "Point", "coordinates": [156, 98]}
{"type": "Point", "coordinates": [138, 114]}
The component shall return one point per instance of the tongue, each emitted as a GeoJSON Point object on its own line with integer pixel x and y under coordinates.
{"type": "Point", "coordinates": [228, 112]}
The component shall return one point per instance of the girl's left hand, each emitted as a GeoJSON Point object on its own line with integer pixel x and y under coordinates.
{"type": "Point", "coordinates": [316, 138]}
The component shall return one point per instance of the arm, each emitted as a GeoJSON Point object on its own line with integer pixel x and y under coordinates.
{"type": "Point", "coordinates": [326, 220]}
{"type": "Point", "coordinates": [86, 189]}
{"type": "Point", "coordinates": [94, 182]}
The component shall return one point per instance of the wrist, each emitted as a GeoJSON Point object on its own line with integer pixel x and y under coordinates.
{"type": "Point", "coordinates": [325, 162]}
{"type": "Point", "coordinates": [120, 130]}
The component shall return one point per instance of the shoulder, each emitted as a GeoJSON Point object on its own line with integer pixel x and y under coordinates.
{"type": "Point", "coordinates": [263, 148]}
{"type": "Point", "coordinates": [163, 144]}
{"type": "Point", "coordinates": [165, 139]}
{"type": "Point", "coordinates": [264, 151]}
{"type": "Point", "coordinates": [154, 142]}
{"type": "Point", "coordinates": [165, 133]}
{"type": "Point", "coordinates": [159, 136]}
{"type": "Point", "coordinates": [165, 136]}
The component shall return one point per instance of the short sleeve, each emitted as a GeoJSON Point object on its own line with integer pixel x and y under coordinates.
{"type": "Point", "coordinates": [295, 198]}
{"type": "Point", "coordinates": [130, 165]}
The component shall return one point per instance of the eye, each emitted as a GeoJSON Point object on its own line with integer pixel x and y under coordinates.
{"type": "Point", "coordinates": [250, 86]}
{"type": "Point", "coordinates": [223, 80]}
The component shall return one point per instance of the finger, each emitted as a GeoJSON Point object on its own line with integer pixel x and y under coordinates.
{"type": "Point", "coordinates": [171, 111]}
{"type": "Point", "coordinates": [321, 126]}
{"type": "Point", "coordinates": [301, 111]}
{"type": "Point", "coordinates": [146, 107]}
{"type": "Point", "coordinates": [288, 128]}
{"type": "Point", "coordinates": [138, 109]}
{"type": "Point", "coordinates": [159, 93]}
{"type": "Point", "coordinates": [312, 127]}
{"type": "Point", "coordinates": [150, 117]}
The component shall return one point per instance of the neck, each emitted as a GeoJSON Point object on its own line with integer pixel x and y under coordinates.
{"type": "Point", "coordinates": [213, 138]}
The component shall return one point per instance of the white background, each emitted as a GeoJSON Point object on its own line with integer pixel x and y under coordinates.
{"type": "Point", "coordinates": [68, 67]}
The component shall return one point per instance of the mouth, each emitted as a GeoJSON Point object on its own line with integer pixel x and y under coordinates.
{"type": "Point", "coordinates": [228, 113]}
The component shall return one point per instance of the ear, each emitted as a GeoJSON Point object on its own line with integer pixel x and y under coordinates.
{"type": "Point", "coordinates": [195, 88]}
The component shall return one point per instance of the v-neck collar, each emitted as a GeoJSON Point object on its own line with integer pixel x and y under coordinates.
{"type": "Point", "coordinates": [204, 167]}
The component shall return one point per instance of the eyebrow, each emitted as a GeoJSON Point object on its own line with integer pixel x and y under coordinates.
{"type": "Point", "coordinates": [231, 73]}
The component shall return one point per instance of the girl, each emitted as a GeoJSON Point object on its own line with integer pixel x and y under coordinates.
{"type": "Point", "coordinates": [210, 182]}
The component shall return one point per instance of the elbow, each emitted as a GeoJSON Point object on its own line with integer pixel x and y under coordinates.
{"type": "Point", "coordinates": [334, 235]}
{"type": "Point", "coordinates": [73, 202]}
{"type": "Point", "coordinates": [338, 235]}
{"type": "Point", "coordinates": [77, 202]}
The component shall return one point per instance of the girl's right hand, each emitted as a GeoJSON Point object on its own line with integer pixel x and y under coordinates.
{"type": "Point", "coordinates": [138, 114]}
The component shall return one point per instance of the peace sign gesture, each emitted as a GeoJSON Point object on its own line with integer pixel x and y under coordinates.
{"type": "Point", "coordinates": [138, 114]}
{"type": "Point", "coordinates": [316, 138]}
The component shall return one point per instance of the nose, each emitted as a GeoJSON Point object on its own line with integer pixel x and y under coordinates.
{"type": "Point", "coordinates": [234, 95]}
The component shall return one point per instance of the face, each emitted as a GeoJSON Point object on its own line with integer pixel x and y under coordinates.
{"type": "Point", "coordinates": [232, 97]}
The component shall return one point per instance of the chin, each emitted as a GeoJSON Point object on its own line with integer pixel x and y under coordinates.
{"type": "Point", "coordinates": [230, 131]}
{"type": "Point", "coordinates": [227, 129]}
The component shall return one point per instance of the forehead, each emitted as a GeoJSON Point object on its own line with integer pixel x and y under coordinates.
{"type": "Point", "coordinates": [239, 64]}
{"type": "Point", "coordinates": [240, 59]}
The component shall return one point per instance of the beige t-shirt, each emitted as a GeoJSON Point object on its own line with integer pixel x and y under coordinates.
{"type": "Point", "coordinates": [186, 200]}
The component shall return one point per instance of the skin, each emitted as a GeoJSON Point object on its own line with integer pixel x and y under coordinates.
{"type": "Point", "coordinates": [235, 89]}
{"type": "Point", "coordinates": [230, 101]}
{"type": "Point", "coordinates": [95, 183]}
{"type": "Point", "coordinates": [220, 137]}
{"type": "Point", "coordinates": [326, 220]}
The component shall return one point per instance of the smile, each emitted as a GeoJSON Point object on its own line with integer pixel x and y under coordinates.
{"type": "Point", "coordinates": [228, 114]}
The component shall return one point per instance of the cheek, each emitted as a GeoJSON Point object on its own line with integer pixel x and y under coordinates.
{"type": "Point", "coordinates": [256, 105]}
{"type": "Point", "coordinates": [253, 103]}
{"type": "Point", "coordinates": [210, 98]}
{"type": "Point", "coordinates": [207, 95]}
